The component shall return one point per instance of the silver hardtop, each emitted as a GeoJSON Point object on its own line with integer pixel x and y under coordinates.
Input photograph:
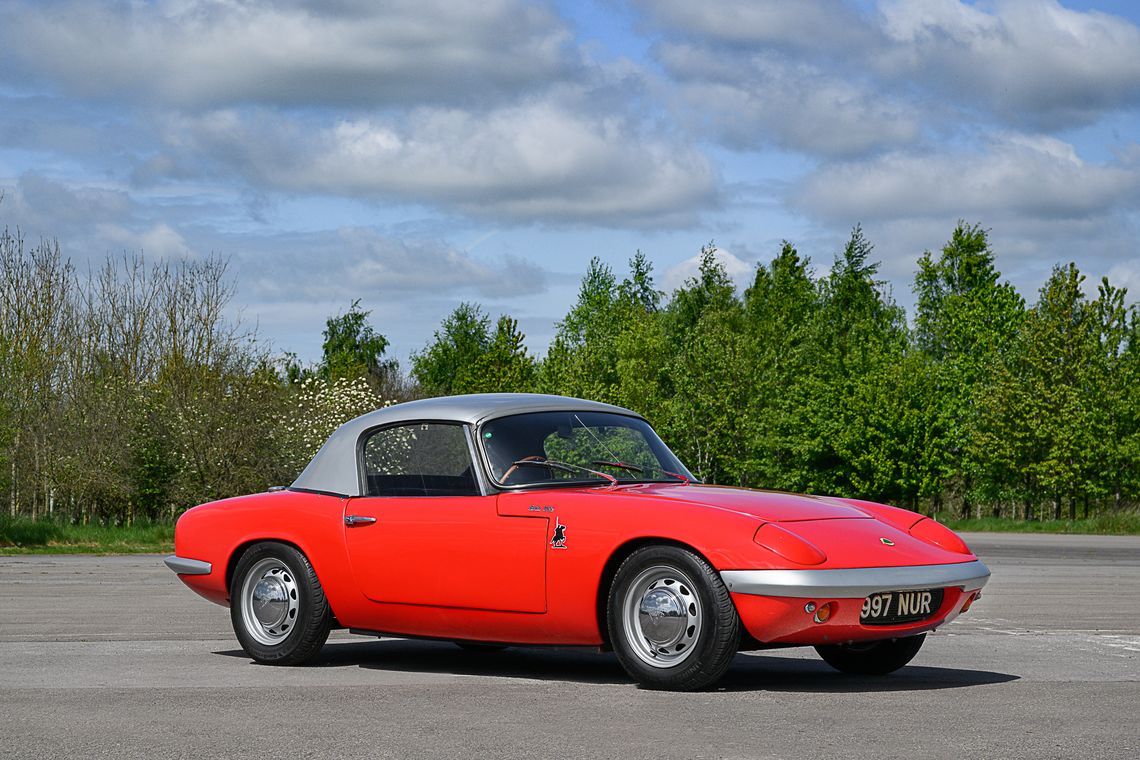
{"type": "Point", "coordinates": [333, 469]}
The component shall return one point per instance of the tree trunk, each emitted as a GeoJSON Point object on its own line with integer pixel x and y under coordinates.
{"type": "Point", "coordinates": [1072, 506]}
{"type": "Point", "coordinates": [1057, 506]}
{"type": "Point", "coordinates": [1086, 506]}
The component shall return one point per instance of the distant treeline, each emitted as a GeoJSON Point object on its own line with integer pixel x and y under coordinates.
{"type": "Point", "coordinates": [126, 394]}
{"type": "Point", "coordinates": [818, 384]}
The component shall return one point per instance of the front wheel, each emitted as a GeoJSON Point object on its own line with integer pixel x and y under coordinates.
{"type": "Point", "coordinates": [875, 658]}
{"type": "Point", "coordinates": [671, 620]}
{"type": "Point", "coordinates": [277, 606]}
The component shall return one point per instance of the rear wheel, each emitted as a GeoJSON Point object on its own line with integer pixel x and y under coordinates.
{"type": "Point", "coordinates": [875, 658]}
{"type": "Point", "coordinates": [671, 621]}
{"type": "Point", "coordinates": [277, 606]}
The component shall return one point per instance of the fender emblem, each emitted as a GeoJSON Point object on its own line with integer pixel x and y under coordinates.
{"type": "Point", "coordinates": [559, 539]}
{"type": "Point", "coordinates": [887, 542]}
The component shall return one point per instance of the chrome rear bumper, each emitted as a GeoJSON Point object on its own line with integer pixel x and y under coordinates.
{"type": "Point", "coordinates": [855, 583]}
{"type": "Point", "coordinates": [184, 566]}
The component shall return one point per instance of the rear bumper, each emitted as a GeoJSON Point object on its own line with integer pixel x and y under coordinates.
{"type": "Point", "coordinates": [855, 583]}
{"type": "Point", "coordinates": [185, 566]}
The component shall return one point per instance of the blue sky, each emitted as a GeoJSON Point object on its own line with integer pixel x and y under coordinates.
{"type": "Point", "coordinates": [419, 153]}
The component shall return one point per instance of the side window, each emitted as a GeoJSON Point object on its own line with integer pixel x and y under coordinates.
{"type": "Point", "coordinates": [420, 459]}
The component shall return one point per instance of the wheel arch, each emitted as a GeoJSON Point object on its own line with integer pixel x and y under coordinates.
{"type": "Point", "coordinates": [240, 550]}
{"type": "Point", "coordinates": [609, 570]}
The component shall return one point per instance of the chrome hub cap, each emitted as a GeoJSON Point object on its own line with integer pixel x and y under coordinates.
{"type": "Point", "coordinates": [269, 601]}
{"type": "Point", "coordinates": [662, 616]}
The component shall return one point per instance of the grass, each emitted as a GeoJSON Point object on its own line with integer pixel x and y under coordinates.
{"type": "Point", "coordinates": [24, 536]}
{"type": "Point", "coordinates": [1112, 523]}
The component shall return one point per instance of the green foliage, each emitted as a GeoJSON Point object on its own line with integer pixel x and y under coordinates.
{"type": "Point", "coordinates": [20, 531]}
{"type": "Point", "coordinates": [1109, 523]}
{"type": "Point", "coordinates": [126, 396]}
{"type": "Point", "coordinates": [352, 347]}
{"type": "Point", "coordinates": [966, 325]}
{"type": "Point", "coordinates": [22, 535]}
{"type": "Point", "coordinates": [466, 356]}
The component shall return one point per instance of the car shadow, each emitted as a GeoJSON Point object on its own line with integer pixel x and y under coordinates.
{"type": "Point", "coordinates": [771, 672]}
{"type": "Point", "coordinates": [748, 672]}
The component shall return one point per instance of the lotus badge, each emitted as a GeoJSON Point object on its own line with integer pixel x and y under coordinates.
{"type": "Point", "coordinates": [887, 542]}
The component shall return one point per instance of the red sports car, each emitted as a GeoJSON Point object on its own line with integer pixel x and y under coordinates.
{"type": "Point", "coordinates": [525, 519]}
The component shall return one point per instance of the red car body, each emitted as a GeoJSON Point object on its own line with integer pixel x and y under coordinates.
{"type": "Point", "coordinates": [482, 568]}
{"type": "Point", "coordinates": [534, 565]}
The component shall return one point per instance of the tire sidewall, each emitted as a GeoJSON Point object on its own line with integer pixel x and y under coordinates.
{"type": "Point", "coordinates": [287, 648]}
{"type": "Point", "coordinates": [877, 659]}
{"type": "Point", "coordinates": [708, 660]}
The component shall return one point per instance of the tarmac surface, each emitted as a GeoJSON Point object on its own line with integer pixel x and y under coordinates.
{"type": "Point", "coordinates": [112, 657]}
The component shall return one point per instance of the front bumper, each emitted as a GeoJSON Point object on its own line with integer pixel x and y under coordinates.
{"type": "Point", "coordinates": [856, 583]}
{"type": "Point", "coordinates": [773, 604]}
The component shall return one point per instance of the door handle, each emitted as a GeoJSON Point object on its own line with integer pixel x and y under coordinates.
{"type": "Point", "coordinates": [353, 521]}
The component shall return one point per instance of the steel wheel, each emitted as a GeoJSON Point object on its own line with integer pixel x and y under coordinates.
{"type": "Point", "coordinates": [662, 616]}
{"type": "Point", "coordinates": [277, 606]}
{"type": "Point", "coordinates": [671, 620]}
{"type": "Point", "coordinates": [269, 601]}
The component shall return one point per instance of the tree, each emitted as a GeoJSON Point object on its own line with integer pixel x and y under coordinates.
{"type": "Point", "coordinates": [710, 375]}
{"type": "Point", "coordinates": [466, 357]}
{"type": "Point", "coordinates": [780, 308]}
{"type": "Point", "coordinates": [966, 320]}
{"type": "Point", "coordinates": [612, 346]}
{"type": "Point", "coordinates": [858, 339]}
{"type": "Point", "coordinates": [353, 348]}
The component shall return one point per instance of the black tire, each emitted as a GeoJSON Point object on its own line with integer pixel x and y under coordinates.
{"type": "Point", "coordinates": [876, 658]}
{"type": "Point", "coordinates": [294, 619]}
{"type": "Point", "coordinates": [691, 630]}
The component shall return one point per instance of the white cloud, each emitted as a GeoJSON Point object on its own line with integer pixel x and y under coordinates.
{"type": "Point", "coordinates": [213, 52]}
{"type": "Point", "coordinates": [542, 160]}
{"type": "Point", "coordinates": [1027, 61]}
{"type": "Point", "coordinates": [1026, 176]}
{"type": "Point", "coordinates": [1126, 274]}
{"type": "Point", "coordinates": [825, 78]}
{"type": "Point", "coordinates": [158, 241]}
{"type": "Point", "coordinates": [819, 26]}
{"type": "Point", "coordinates": [751, 101]}
{"type": "Point", "coordinates": [739, 271]}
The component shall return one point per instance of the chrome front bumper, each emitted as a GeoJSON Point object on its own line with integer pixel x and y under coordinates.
{"type": "Point", "coordinates": [184, 566]}
{"type": "Point", "coordinates": [855, 583]}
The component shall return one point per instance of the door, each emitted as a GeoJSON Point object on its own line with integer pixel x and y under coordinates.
{"type": "Point", "coordinates": [424, 535]}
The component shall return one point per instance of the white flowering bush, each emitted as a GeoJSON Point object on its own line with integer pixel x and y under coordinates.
{"type": "Point", "coordinates": [319, 407]}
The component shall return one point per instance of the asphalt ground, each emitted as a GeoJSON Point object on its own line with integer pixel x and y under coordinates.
{"type": "Point", "coordinates": [111, 657]}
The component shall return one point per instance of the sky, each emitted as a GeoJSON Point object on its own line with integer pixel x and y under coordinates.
{"type": "Point", "coordinates": [415, 154]}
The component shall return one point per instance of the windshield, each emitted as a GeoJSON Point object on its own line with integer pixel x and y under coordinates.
{"type": "Point", "coordinates": [580, 446]}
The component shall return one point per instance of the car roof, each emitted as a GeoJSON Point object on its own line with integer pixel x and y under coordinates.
{"type": "Point", "coordinates": [333, 468]}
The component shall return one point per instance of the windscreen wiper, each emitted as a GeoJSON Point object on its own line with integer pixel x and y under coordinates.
{"type": "Point", "coordinates": [639, 469]}
{"type": "Point", "coordinates": [565, 467]}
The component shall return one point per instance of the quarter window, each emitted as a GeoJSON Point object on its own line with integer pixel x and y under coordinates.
{"type": "Point", "coordinates": [421, 459]}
